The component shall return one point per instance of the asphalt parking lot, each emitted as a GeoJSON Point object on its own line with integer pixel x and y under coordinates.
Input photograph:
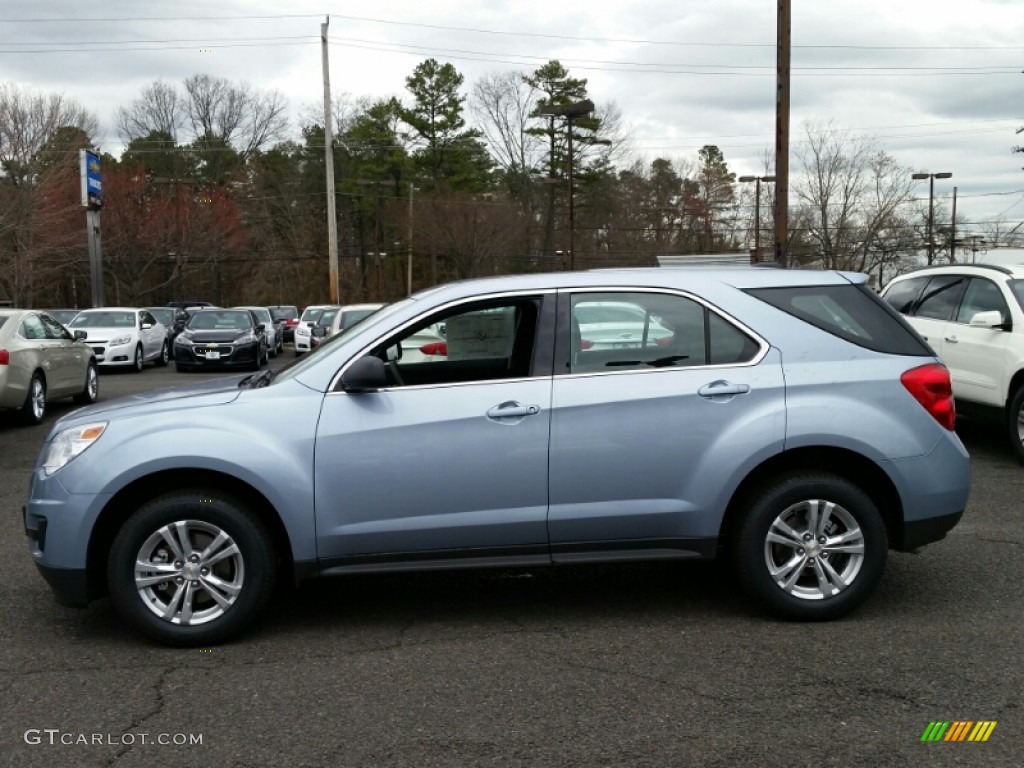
{"type": "Point", "coordinates": [662, 665]}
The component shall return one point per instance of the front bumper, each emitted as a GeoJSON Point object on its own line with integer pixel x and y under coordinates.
{"type": "Point", "coordinates": [216, 355]}
{"type": "Point", "coordinates": [109, 356]}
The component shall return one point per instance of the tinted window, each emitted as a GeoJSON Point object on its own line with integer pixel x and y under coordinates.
{"type": "Point", "coordinates": [353, 316]}
{"type": "Point", "coordinates": [940, 297]}
{"type": "Point", "coordinates": [284, 313]}
{"type": "Point", "coordinates": [902, 295]}
{"type": "Point", "coordinates": [728, 343]}
{"type": "Point", "coordinates": [1017, 289]}
{"type": "Point", "coordinates": [165, 316]}
{"type": "Point", "coordinates": [982, 295]}
{"type": "Point", "coordinates": [851, 312]}
{"type": "Point", "coordinates": [2, 321]}
{"type": "Point", "coordinates": [104, 319]}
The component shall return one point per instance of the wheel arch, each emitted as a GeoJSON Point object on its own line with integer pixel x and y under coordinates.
{"type": "Point", "coordinates": [842, 462]}
{"type": "Point", "coordinates": [126, 501]}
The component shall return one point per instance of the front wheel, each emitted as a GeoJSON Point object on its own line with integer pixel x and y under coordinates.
{"type": "Point", "coordinates": [811, 546]}
{"type": "Point", "coordinates": [191, 568]}
{"type": "Point", "coordinates": [1015, 423]}
{"type": "Point", "coordinates": [137, 362]}
{"type": "Point", "coordinates": [92, 387]}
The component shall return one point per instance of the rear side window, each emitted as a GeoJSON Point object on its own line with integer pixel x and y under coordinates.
{"type": "Point", "coordinates": [902, 295]}
{"type": "Point", "coordinates": [940, 297]}
{"type": "Point", "coordinates": [851, 312]}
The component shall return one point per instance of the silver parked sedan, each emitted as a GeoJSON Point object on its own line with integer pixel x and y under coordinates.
{"type": "Point", "coordinates": [41, 361]}
{"type": "Point", "coordinates": [785, 421]}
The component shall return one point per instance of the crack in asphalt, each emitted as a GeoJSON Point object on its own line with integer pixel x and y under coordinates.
{"type": "Point", "coordinates": [138, 721]}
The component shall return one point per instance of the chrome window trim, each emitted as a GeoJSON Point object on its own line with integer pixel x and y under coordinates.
{"type": "Point", "coordinates": [729, 319]}
{"type": "Point", "coordinates": [332, 388]}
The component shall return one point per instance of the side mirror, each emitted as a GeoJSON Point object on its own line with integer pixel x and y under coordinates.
{"type": "Point", "coordinates": [320, 331]}
{"type": "Point", "coordinates": [81, 335]}
{"type": "Point", "coordinates": [991, 319]}
{"type": "Point", "coordinates": [367, 374]}
{"type": "Point", "coordinates": [146, 326]}
{"type": "Point", "coordinates": [261, 327]}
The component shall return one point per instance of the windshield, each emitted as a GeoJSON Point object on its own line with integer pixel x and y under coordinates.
{"type": "Point", "coordinates": [163, 315]}
{"type": "Point", "coordinates": [284, 313]}
{"type": "Point", "coordinates": [313, 357]}
{"type": "Point", "coordinates": [1017, 288]}
{"type": "Point", "coordinates": [104, 319]}
{"type": "Point", "coordinates": [311, 314]}
{"type": "Point", "coordinates": [353, 316]}
{"type": "Point", "coordinates": [220, 321]}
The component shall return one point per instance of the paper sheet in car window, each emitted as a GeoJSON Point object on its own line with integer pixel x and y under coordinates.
{"type": "Point", "coordinates": [480, 334]}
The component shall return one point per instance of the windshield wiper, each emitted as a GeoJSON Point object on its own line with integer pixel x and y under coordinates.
{"type": "Point", "coordinates": [257, 380]}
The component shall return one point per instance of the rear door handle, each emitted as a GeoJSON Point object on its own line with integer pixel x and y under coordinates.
{"type": "Point", "coordinates": [718, 390]}
{"type": "Point", "coordinates": [512, 410]}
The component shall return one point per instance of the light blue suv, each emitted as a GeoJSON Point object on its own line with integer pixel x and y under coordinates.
{"type": "Point", "coordinates": [787, 420]}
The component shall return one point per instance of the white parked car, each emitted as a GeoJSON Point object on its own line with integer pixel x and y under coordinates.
{"type": "Point", "coordinates": [304, 330]}
{"type": "Point", "coordinates": [275, 338]}
{"type": "Point", "coordinates": [123, 336]}
{"type": "Point", "coordinates": [347, 316]}
{"type": "Point", "coordinates": [618, 325]}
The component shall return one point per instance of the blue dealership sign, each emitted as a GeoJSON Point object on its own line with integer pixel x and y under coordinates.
{"type": "Point", "coordinates": [92, 185]}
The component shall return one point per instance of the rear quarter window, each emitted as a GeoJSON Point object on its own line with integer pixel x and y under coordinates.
{"type": "Point", "coordinates": [854, 313]}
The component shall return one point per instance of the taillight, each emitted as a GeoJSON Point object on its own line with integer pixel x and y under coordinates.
{"type": "Point", "coordinates": [586, 343]}
{"type": "Point", "coordinates": [664, 341]}
{"type": "Point", "coordinates": [435, 348]}
{"type": "Point", "coordinates": [5, 357]}
{"type": "Point", "coordinates": [931, 387]}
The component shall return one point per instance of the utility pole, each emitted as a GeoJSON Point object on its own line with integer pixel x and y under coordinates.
{"type": "Point", "coordinates": [332, 222]}
{"type": "Point", "coordinates": [408, 278]}
{"type": "Point", "coordinates": [782, 135]}
{"type": "Point", "coordinates": [952, 232]}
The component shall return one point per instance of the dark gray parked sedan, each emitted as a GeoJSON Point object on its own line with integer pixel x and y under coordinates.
{"type": "Point", "coordinates": [787, 421]}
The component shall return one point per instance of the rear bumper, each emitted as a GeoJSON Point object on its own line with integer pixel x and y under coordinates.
{"type": "Point", "coordinates": [917, 533]}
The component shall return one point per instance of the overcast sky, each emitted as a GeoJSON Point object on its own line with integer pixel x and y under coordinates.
{"type": "Point", "coordinates": [939, 84]}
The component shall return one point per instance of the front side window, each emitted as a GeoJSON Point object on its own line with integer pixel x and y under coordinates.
{"type": "Point", "coordinates": [480, 341]}
{"type": "Point", "coordinates": [982, 295]}
{"type": "Point", "coordinates": [54, 330]}
{"type": "Point", "coordinates": [644, 330]}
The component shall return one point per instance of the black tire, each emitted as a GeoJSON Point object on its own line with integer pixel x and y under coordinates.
{"type": "Point", "coordinates": [165, 356]}
{"type": "Point", "coordinates": [850, 577]}
{"type": "Point", "coordinates": [138, 362]}
{"type": "Point", "coordinates": [33, 410]}
{"type": "Point", "coordinates": [91, 391]}
{"type": "Point", "coordinates": [1015, 423]}
{"type": "Point", "coordinates": [201, 513]}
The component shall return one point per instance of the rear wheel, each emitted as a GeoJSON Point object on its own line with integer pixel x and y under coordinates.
{"type": "Point", "coordinates": [191, 568]}
{"type": "Point", "coordinates": [165, 355]}
{"type": "Point", "coordinates": [811, 547]}
{"type": "Point", "coordinates": [1015, 423]}
{"type": "Point", "coordinates": [33, 410]}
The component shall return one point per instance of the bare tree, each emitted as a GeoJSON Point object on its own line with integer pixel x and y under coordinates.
{"type": "Point", "coordinates": [501, 103]}
{"type": "Point", "coordinates": [160, 109]}
{"type": "Point", "coordinates": [237, 115]}
{"type": "Point", "coordinates": [472, 234]}
{"type": "Point", "coordinates": [851, 193]}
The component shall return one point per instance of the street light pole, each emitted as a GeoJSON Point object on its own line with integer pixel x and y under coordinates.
{"type": "Point", "coordinates": [569, 111]}
{"type": "Point", "coordinates": [757, 210]}
{"type": "Point", "coordinates": [931, 205]}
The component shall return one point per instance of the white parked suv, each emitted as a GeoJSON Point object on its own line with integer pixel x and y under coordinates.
{"type": "Point", "coordinates": [972, 315]}
{"type": "Point", "coordinates": [123, 336]}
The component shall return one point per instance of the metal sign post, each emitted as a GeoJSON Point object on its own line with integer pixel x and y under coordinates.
{"type": "Point", "coordinates": [92, 201]}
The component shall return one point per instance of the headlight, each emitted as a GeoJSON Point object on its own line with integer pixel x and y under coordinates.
{"type": "Point", "coordinates": [249, 338]}
{"type": "Point", "coordinates": [182, 339]}
{"type": "Point", "coordinates": [302, 330]}
{"type": "Point", "coordinates": [120, 340]}
{"type": "Point", "coordinates": [69, 443]}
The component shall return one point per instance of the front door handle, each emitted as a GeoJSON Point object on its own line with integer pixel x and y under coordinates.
{"type": "Point", "coordinates": [512, 410]}
{"type": "Point", "coordinates": [722, 390]}
{"type": "Point", "coordinates": [952, 340]}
